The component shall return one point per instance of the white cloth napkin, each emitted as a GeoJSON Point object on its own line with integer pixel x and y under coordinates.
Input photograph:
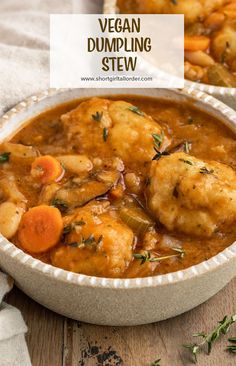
{"type": "Point", "coordinates": [13, 349]}
{"type": "Point", "coordinates": [24, 70]}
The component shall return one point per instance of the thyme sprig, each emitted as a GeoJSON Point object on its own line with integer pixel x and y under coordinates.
{"type": "Point", "coordinates": [222, 328]}
{"type": "Point", "coordinates": [147, 256]}
{"type": "Point", "coordinates": [90, 240]}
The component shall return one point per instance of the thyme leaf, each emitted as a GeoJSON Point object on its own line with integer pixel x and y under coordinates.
{"type": "Point", "coordinates": [105, 134]}
{"type": "Point", "coordinates": [175, 2]}
{"type": "Point", "coordinates": [190, 120]}
{"type": "Point", "coordinates": [4, 157]}
{"type": "Point", "coordinates": [222, 328]}
{"type": "Point", "coordinates": [187, 147]}
{"type": "Point", "coordinates": [158, 139]}
{"type": "Point", "coordinates": [61, 205]}
{"type": "Point", "coordinates": [67, 229]}
{"type": "Point", "coordinates": [189, 162]}
{"type": "Point", "coordinates": [160, 154]}
{"type": "Point", "coordinates": [156, 363]}
{"type": "Point", "coordinates": [90, 240]}
{"type": "Point", "coordinates": [232, 347]}
{"type": "Point", "coordinates": [136, 110]}
{"type": "Point", "coordinates": [97, 116]}
{"type": "Point", "coordinates": [205, 170]}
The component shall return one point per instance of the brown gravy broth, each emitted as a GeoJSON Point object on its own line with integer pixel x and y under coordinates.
{"type": "Point", "coordinates": [209, 139]}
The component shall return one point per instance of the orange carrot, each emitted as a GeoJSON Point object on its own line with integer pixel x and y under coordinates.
{"type": "Point", "coordinates": [40, 229]}
{"type": "Point", "coordinates": [117, 192]}
{"type": "Point", "coordinates": [47, 169]}
{"type": "Point", "coordinates": [196, 43]}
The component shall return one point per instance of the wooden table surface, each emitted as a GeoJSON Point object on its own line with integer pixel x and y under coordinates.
{"type": "Point", "coordinates": [57, 341]}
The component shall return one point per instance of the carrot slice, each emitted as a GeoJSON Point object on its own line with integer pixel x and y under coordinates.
{"type": "Point", "coordinates": [40, 229]}
{"type": "Point", "coordinates": [47, 169]}
{"type": "Point", "coordinates": [196, 43]}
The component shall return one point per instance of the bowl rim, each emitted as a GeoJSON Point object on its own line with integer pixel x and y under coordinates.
{"type": "Point", "coordinates": [110, 7]}
{"type": "Point", "coordinates": [119, 283]}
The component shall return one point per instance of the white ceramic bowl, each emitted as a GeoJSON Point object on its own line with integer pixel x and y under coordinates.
{"type": "Point", "coordinates": [115, 301]}
{"type": "Point", "coordinates": [226, 95]}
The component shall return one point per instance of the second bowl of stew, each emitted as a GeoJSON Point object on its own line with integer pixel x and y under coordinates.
{"type": "Point", "coordinates": [210, 40]}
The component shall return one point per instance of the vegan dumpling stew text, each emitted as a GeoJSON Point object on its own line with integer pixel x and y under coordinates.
{"type": "Point", "coordinates": [123, 187]}
{"type": "Point", "coordinates": [210, 35]}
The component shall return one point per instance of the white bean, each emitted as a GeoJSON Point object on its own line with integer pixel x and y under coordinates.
{"type": "Point", "coordinates": [10, 217]}
{"type": "Point", "coordinates": [199, 58]}
{"type": "Point", "coordinates": [77, 164]}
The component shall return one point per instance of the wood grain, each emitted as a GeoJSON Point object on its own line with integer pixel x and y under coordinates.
{"type": "Point", "coordinates": [57, 341]}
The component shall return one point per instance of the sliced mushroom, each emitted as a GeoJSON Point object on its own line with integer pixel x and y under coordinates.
{"type": "Point", "coordinates": [78, 195]}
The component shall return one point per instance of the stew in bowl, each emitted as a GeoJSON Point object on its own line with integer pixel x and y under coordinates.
{"type": "Point", "coordinates": [120, 187]}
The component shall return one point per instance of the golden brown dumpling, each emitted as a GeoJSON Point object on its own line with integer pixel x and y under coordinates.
{"type": "Point", "coordinates": [192, 196]}
{"type": "Point", "coordinates": [117, 127]}
{"type": "Point", "coordinates": [97, 243]}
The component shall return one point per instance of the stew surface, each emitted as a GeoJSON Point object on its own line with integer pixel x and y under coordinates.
{"type": "Point", "coordinates": [129, 187]}
{"type": "Point", "coordinates": [210, 35]}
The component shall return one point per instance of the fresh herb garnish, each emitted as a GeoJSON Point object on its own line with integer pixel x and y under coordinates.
{"type": "Point", "coordinates": [160, 154]}
{"type": "Point", "coordinates": [190, 120]}
{"type": "Point", "coordinates": [187, 147]}
{"type": "Point", "coordinates": [61, 205]}
{"type": "Point", "coordinates": [97, 116]}
{"type": "Point", "coordinates": [205, 170]}
{"type": "Point", "coordinates": [84, 241]}
{"type": "Point", "coordinates": [105, 134]}
{"type": "Point", "coordinates": [224, 53]}
{"type": "Point", "coordinates": [4, 157]}
{"type": "Point", "coordinates": [67, 229]}
{"type": "Point", "coordinates": [189, 162]}
{"type": "Point", "coordinates": [158, 139]}
{"type": "Point", "coordinates": [136, 110]}
{"type": "Point", "coordinates": [156, 363]}
{"type": "Point", "coordinates": [222, 328]}
{"type": "Point", "coordinates": [232, 346]}
{"type": "Point", "coordinates": [146, 257]}
{"type": "Point", "coordinates": [100, 239]}
{"type": "Point", "coordinates": [175, 2]}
